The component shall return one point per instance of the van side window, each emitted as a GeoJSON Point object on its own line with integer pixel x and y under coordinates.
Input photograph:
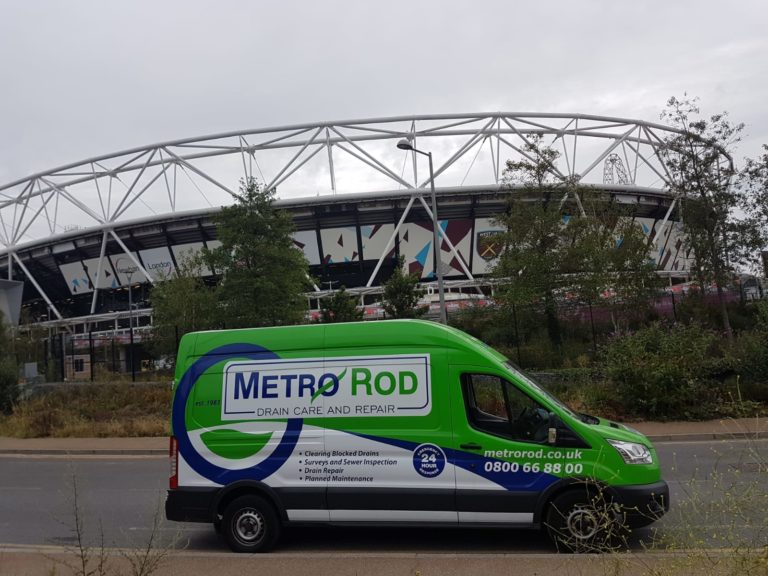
{"type": "Point", "coordinates": [500, 408]}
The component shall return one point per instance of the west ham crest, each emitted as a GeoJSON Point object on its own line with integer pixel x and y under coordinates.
{"type": "Point", "coordinates": [488, 244]}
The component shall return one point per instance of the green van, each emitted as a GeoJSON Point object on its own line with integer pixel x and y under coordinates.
{"type": "Point", "coordinates": [395, 422]}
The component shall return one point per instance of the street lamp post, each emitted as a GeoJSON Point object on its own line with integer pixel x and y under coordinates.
{"type": "Point", "coordinates": [129, 271]}
{"type": "Point", "coordinates": [405, 144]}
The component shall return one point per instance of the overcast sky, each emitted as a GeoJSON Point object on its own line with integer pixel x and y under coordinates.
{"type": "Point", "coordinates": [83, 78]}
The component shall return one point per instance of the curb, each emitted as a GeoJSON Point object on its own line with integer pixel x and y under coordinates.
{"type": "Point", "coordinates": [11, 548]}
{"type": "Point", "coordinates": [660, 438]}
{"type": "Point", "coordinates": [705, 436]}
{"type": "Point", "coordinates": [82, 452]}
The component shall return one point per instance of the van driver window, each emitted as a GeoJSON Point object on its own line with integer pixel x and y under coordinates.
{"type": "Point", "coordinates": [489, 398]}
{"type": "Point", "coordinates": [498, 407]}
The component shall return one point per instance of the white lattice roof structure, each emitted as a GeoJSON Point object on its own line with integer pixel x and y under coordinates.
{"type": "Point", "coordinates": [92, 211]}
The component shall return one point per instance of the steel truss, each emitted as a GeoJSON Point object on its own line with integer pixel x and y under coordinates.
{"type": "Point", "coordinates": [310, 160]}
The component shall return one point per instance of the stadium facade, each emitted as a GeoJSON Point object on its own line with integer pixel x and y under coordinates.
{"type": "Point", "coordinates": [77, 236]}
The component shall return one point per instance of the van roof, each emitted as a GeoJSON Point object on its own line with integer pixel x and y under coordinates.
{"type": "Point", "coordinates": [341, 335]}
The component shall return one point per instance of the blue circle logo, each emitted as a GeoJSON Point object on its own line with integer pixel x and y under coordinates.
{"type": "Point", "coordinates": [198, 463]}
{"type": "Point", "coordinates": [429, 460]}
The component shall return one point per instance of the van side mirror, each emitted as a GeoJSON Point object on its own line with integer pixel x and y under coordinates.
{"type": "Point", "coordinates": [559, 434]}
{"type": "Point", "coordinates": [552, 436]}
{"type": "Point", "coordinates": [552, 432]}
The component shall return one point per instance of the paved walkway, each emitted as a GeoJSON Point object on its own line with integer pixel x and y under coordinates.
{"type": "Point", "coordinates": [656, 431]}
{"type": "Point", "coordinates": [44, 561]}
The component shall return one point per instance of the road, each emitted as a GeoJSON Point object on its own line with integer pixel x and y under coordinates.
{"type": "Point", "coordinates": [120, 496]}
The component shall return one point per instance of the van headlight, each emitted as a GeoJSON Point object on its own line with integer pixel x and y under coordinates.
{"type": "Point", "coordinates": [632, 453]}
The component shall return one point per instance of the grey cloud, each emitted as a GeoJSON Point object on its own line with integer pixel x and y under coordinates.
{"type": "Point", "coordinates": [83, 78]}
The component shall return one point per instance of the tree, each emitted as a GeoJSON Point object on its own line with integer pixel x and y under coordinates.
{"type": "Point", "coordinates": [699, 158]}
{"type": "Point", "coordinates": [341, 307]}
{"type": "Point", "coordinates": [548, 248]}
{"type": "Point", "coordinates": [182, 303]}
{"type": "Point", "coordinates": [754, 184]}
{"type": "Point", "coordinates": [534, 240]}
{"type": "Point", "coordinates": [611, 259]}
{"type": "Point", "coordinates": [264, 275]}
{"type": "Point", "coordinates": [9, 376]}
{"type": "Point", "coordinates": [401, 294]}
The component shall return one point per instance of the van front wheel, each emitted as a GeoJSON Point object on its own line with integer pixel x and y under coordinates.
{"type": "Point", "coordinates": [250, 524]}
{"type": "Point", "coordinates": [584, 521]}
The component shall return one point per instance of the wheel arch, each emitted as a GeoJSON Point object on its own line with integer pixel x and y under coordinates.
{"type": "Point", "coordinates": [247, 488]}
{"type": "Point", "coordinates": [561, 487]}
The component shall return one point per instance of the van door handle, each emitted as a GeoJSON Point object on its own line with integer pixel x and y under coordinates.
{"type": "Point", "coordinates": [471, 446]}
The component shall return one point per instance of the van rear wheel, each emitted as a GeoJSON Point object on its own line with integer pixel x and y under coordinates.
{"type": "Point", "coordinates": [250, 524]}
{"type": "Point", "coordinates": [585, 521]}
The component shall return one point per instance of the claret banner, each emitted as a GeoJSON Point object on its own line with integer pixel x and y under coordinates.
{"type": "Point", "coordinates": [357, 386]}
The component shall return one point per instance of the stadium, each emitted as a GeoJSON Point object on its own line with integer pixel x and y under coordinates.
{"type": "Point", "coordinates": [82, 244]}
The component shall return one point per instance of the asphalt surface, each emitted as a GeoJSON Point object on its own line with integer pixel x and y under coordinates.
{"type": "Point", "coordinates": [122, 496]}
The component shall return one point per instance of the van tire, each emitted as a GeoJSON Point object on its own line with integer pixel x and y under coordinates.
{"type": "Point", "coordinates": [250, 524]}
{"type": "Point", "coordinates": [585, 520]}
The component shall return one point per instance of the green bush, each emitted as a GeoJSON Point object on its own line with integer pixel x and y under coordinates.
{"type": "Point", "coordinates": [91, 410]}
{"type": "Point", "coordinates": [748, 359]}
{"type": "Point", "coordinates": [493, 325]}
{"type": "Point", "coordinates": [9, 386]}
{"type": "Point", "coordinates": [663, 373]}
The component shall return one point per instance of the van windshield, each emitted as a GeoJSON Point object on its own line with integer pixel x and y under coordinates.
{"type": "Point", "coordinates": [536, 386]}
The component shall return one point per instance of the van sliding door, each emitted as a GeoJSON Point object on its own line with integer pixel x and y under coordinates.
{"type": "Point", "coordinates": [387, 457]}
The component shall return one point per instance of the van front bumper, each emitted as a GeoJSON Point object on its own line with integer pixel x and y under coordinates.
{"type": "Point", "coordinates": [642, 504]}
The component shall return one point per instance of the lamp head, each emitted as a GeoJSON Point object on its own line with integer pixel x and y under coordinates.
{"type": "Point", "coordinates": [405, 144]}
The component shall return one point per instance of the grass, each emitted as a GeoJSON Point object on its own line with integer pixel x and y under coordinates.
{"type": "Point", "coordinates": [92, 410]}
{"type": "Point", "coordinates": [719, 525]}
